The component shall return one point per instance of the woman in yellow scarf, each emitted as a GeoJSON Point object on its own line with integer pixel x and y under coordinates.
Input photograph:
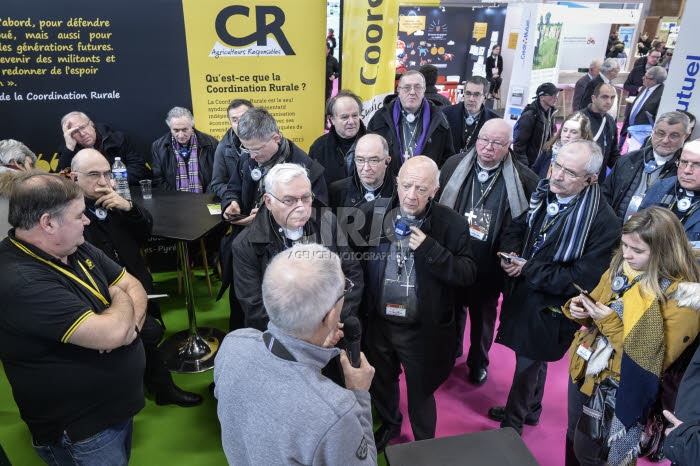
{"type": "Point", "coordinates": [638, 320]}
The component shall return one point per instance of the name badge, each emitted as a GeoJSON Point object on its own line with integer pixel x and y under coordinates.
{"type": "Point", "coordinates": [584, 351]}
{"type": "Point", "coordinates": [395, 310]}
{"type": "Point", "coordinates": [477, 233]}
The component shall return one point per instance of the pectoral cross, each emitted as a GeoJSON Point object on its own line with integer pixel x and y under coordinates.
{"type": "Point", "coordinates": [407, 285]}
{"type": "Point", "coordinates": [470, 216]}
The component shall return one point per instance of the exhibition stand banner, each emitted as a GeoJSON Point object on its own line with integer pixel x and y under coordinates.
{"type": "Point", "coordinates": [127, 63]}
{"type": "Point", "coordinates": [369, 43]}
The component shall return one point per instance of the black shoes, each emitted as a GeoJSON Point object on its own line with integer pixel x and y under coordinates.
{"type": "Point", "coordinates": [478, 376]}
{"type": "Point", "coordinates": [498, 414]}
{"type": "Point", "coordinates": [384, 434]}
{"type": "Point", "coordinates": [177, 396]}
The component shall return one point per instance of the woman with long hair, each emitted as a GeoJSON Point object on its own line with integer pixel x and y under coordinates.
{"type": "Point", "coordinates": [576, 126]}
{"type": "Point", "coordinates": [640, 318]}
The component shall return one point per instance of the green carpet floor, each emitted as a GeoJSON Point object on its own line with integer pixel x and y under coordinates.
{"type": "Point", "coordinates": [163, 435]}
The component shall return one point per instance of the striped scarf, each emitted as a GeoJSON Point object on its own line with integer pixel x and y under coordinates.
{"type": "Point", "coordinates": [643, 351]}
{"type": "Point", "coordinates": [577, 221]}
{"type": "Point", "coordinates": [187, 175]}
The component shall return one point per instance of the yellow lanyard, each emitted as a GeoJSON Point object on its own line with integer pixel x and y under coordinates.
{"type": "Point", "coordinates": [93, 289]}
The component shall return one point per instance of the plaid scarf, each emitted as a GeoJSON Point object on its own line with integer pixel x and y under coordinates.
{"type": "Point", "coordinates": [187, 175]}
{"type": "Point", "coordinates": [643, 350]}
{"type": "Point", "coordinates": [577, 221]}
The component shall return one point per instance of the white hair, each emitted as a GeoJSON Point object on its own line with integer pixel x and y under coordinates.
{"type": "Point", "coordinates": [283, 173]}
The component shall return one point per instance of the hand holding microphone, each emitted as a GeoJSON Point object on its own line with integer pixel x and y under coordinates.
{"type": "Point", "coordinates": [357, 371]}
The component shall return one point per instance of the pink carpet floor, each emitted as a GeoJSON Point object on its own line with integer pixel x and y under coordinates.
{"type": "Point", "coordinates": [462, 407]}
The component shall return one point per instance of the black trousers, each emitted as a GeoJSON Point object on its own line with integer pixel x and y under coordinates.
{"type": "Point", "coordinates": [157, 377]}
{"type": "Point", "coordinates": [390, 347]}
{"type": "Point", "coordinates": [525, 396]}
{"type": "Point", "coordinates": [482, 308]}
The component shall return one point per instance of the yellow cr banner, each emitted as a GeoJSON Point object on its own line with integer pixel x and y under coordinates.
{"type": "Point", "coordinates": [271, 53]}
{"type": "Point", "coordinates": [370, 28]}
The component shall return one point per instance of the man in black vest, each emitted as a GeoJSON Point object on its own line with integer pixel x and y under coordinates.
{"type": "Point", "coordinates": [490, 188]}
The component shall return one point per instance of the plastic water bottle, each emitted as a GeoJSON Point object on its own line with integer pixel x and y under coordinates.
{"type": "Point", "coordinates": [120, 179]}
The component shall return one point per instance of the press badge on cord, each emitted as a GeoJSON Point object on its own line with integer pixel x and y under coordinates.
{"type": "Point", "coordinates": [395, 310]}
{"type": "Point", "coordinates": [584, 351]}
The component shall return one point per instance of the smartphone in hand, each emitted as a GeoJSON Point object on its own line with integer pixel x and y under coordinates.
{"type": "Point", "coordinates": [583, 292]}
{"type": "Point", "coordinates": [509, 257]}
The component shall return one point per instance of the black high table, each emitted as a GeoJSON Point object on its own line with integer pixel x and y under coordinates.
{"type": "Point", "coordinates": [184, 217]}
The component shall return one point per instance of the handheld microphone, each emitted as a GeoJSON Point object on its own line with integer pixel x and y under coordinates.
{"type": "Point", "coordinates": [353, 335]}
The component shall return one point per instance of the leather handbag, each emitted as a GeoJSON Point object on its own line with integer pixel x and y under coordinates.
{"type": "Point", "coordinates": [597, 415]}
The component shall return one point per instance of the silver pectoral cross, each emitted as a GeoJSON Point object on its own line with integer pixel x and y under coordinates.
{"type": "Point", "coordinates": [470, 216]}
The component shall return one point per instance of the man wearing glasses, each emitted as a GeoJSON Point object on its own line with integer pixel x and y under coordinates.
{"type": "Point", "coordinates": [288, 216]}
{"type": "Point", "coordinates": [370, 179]}
{"type": "Point", "coordinates": [466, 119]}
{"type": "Point", "coordinates": [335, 149]}
{"type": "Point", "coordinates": [419, 255]}
{"type": "Point", "coordinates": [643, 110]}
{"type": "Point", "coordinates": [412, 125]}
{"type": "Point", "coordinates": [567, 235]}
{"type": "Point", "coordinates": [274, 406]}
{"type": "Point", "coordinates": [119, 228]}
{"type": "Point", "coordinates": [681, 193]}
{"type": "Point", "coordinates": [490, 188]}
{"type": "Point", "coordinates": [80, 132]}
{"type": "Point", "coordinates": [636, 172]}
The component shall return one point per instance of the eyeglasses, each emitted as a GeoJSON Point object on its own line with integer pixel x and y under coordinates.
{"type": "Point", "coordinates": [476, 95]}
{"type": "Point", "coordinates": [80, 128]}
{"type": "Point", "coordinates": [371, 162]}
{"type": "Point", "coordinates": [568, 173]}
{"type": "Point", "coordinates": [683, 164]}
{"type": "Point", "coordinates": [94, 176]}
{"type": "Point", "coordinates": [674, 137]}
{"type": "Point", "coordinates": [257, 151]}
{"type": "Point", "coordinates": [290, 201]}
{"type": "Point", "coordinates": [495, 144]}
{"type": "Point", "coordinates": [349, 285]}
{"type": "Point", "coordinates": [416, 88]}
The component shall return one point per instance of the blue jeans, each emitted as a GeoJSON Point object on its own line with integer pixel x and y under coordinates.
{"type": "Point", "coordinates": [111, 447]}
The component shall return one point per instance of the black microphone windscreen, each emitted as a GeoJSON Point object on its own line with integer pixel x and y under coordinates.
{"type": "Point", "coordinates": [352, 329]}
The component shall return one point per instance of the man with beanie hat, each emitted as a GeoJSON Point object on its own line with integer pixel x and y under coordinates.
{"type": "Point", "coordinates": [536, 124]}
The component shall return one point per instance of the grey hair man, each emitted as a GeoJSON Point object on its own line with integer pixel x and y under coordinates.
{"type": "Point", "coordinates": [580, 88]}
{"type": "Point", "coordinates": [287, 217]}
{"type": "Point", "coordinates": [183, 158]}
{"type": "Point", "coordinates": [15, 156]}
{"type": "Point", "coordinates": [633, 174]}
{"type": "Point", "coordinates": [80, 132]}
{"type": "Point", "coordinates": [567, 235]}
{"type": "Point", "coordinates": [411, 124]}
{"type": "Point", "coordinates": [643, 109]}
{"type": "Point", "coordinates": [608, 73]}
{"type": "Point", "coordinates": [76, 315]}
{"type": "Point", "coordinates": [260, 375]}
{"type": "Point", "coordinates": [228, 152]}
{"type": "Point", "coordinates": [489, 187]}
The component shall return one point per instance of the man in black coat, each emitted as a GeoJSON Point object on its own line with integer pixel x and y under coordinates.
{"type": "Point", "coordinates": [682, 444]}
{"type": "Point", "coordinates": [608, 72]}
{"type": "Point", "coordinates": [287, 218]}
{"type": "Point", "coordinates": [580, 88]}
{"type": "Point", "coordinates": [603, 126]}
{"type": "Point", "coordinates": [335, 149]}
{"type": "Point", "coordinates": [229, 149]}
{"type": "Point", "coordinates": [263, 147]}
{"type": "Point", "coordinates": [490, 188]}
{"type": "Point", "coordinates": [412, 125]}
{"type": "Point", "coordinates": [183, 159]}
{"type": "Point", "coordinates": [536, 124]}
{"type": "Point", "coordinates": [467, 118]}
{"type": "Point", "coordinates": [567, 236]}
{"type": "Point", "coordinates": [80, 132]}
{"type": "Point", "coordinates": [371, 178]}
{"type": "Point", "coordinates": [636, 172]}
{"type": "Point", "coordinates": [416, 264]}
{"type": "Point", "coordinates": [118, 227]}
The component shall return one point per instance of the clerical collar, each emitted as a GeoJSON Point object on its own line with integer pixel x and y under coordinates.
{"type": "Point", "coordinates": [369, 189]}
{"type": "Point", "coordinates": [293, 235]}
{"type": "Point", "coordinates": [662, 160]}
{"type": "Point", "coordinates": [411, 117]}
{"type": "Point", "coordinates": [565, 200]}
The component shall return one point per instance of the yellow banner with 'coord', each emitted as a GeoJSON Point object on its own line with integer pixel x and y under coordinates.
{"type": "Point", "coordinates": [271, 53]}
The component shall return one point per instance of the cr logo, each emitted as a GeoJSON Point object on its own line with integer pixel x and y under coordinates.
{"type": "Point", "coordinates": [262, 29]}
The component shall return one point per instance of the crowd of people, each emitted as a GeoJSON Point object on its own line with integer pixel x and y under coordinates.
{"type": "Point", "coordinates": [408, 225]}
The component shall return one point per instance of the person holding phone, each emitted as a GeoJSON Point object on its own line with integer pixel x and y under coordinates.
{"type": "Point", "coordinates": [638, 320]}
